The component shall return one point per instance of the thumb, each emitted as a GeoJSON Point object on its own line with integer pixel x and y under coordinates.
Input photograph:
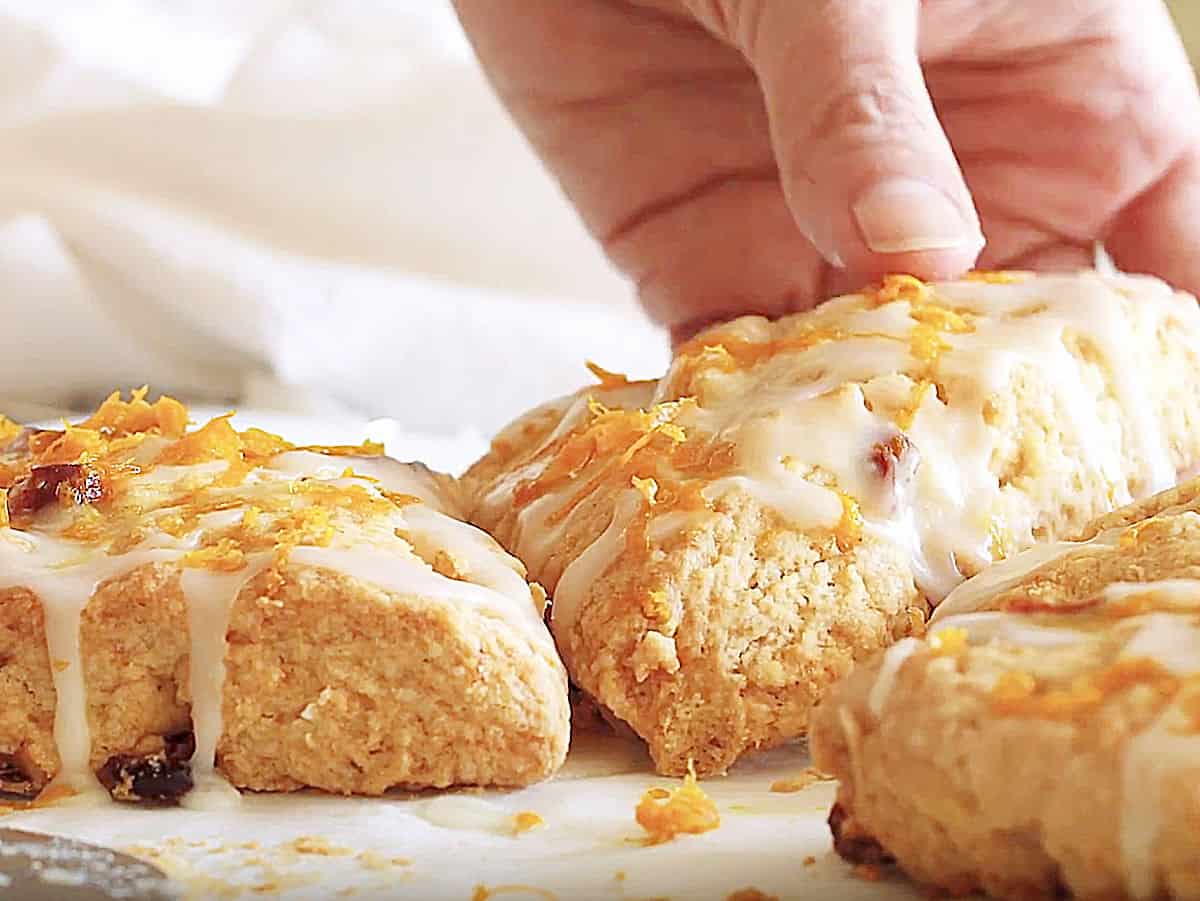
{"type": "Point", "coordinates": [866, 167]}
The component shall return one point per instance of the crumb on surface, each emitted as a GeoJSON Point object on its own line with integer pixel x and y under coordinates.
{"type": "Point", "coordinates": [483, 893]}
{"type": "Point", "coordinates": [808, 776]}
{"type": "Point", "coordinates": [750, 894]}
{"type": "Point", "coordinates": [312, 844]}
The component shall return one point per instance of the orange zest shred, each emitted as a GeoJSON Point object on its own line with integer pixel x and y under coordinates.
{"type": "Point", "coordinates": [607, 378]}
{"type": "Point", "coordinates": [907, 414]}
{"type": "Point", "coordinates": [89, 467]}
{"type": "Point", "coordinates": [721, 352]}
{"type": "Point", "coordinates": [687, 809]}
{"type": "Point", "coordinates": [849, 530]}
{"type": "Point", "coordinates": [526, 820]}
{"type": "Point", "coordinates": [949, 642]}
{"type": "Point", "coordinates": [901, 287]}
{"type": "Point", "coordinates": [366, 449]}
{"type": "Point", "coordinates": [1018, 693]}
{"type": "Point", "coordinates": [116, 417]}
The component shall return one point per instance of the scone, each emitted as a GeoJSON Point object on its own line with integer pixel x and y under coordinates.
{"type": "Point", "coordinates": [183, 608]}
{"type": "Point", "coordinates": [1044, 739]}
{"type": "Point", "coordinates": [721, 545]}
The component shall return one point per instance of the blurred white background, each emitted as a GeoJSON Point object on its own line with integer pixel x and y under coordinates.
{"type": "Point", "coordinates": [308, 205]}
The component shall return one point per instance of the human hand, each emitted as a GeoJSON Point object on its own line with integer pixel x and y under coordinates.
{"type": "Point", "coordinates": [738, 156]}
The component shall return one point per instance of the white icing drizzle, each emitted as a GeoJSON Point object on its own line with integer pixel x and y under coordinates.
{"type": "Point", "coordinates": [1149, 758]}
{"type": "Point", "coordinates": [1180, 593]}
{"type": "Point", "coordinates": [64, 577]}
{"type": "Point", "coordinates": [584, 570]}
{"type": "Point", "coordinates": [975, 593]}
{"type": "Point", "coordinates": [394, 476]}
{"type": "Point", "coordinates": [889, 669]}
{"type": "Point", "coordinates": [1167, 639]}
{"type": "Point", "coordinates": [1167, 746]}
{"type": "Point", "coordinates": [995, 626]}
{"type": "Point", "coordinates": [210, 597]}
{"type": "Point", "coordinates": [395, 573]}
{"type": "Point", "coordinates": [805, 415]}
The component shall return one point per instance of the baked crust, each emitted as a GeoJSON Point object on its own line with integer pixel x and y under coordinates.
{"type": "Point", "coordinates": [371, 639]}
{"type": "Point", "coordinates": [724, 543]}
{"type": "Point", "coordinates": [1044, 739]}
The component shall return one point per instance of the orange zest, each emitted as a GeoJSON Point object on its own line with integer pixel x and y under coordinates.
{"type": "Point", "coordinates": [687, 809]}
{"type": "Point", "coordinates": [1018, 693]}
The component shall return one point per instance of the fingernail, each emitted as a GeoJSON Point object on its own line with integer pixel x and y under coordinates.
{"type": "Point", "coordinates": [903, 215]}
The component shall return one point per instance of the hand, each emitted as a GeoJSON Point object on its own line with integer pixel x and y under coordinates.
{"type": "Point", "coordinates": [756, 155]}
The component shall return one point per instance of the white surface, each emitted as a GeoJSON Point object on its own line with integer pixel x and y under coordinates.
{"type": "Point", "coordinates": [458, 841]}
{"type": "Point", "coordinates": [308, 204]}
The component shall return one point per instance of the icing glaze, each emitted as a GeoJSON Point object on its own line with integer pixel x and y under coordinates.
{"type": "Point", "coordinates": [807, 411]}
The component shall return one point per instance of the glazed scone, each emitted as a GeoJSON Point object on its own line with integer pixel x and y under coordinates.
{"type": "Point", "coordinates": [187, 607]}
{"type": "Point", "coordinates": [723, 544]}
{"type": "Point", "coordinates": [1045, 738]}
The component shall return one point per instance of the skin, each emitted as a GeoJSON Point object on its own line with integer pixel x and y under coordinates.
{"type": "Point", "coordinates": [725, 152]}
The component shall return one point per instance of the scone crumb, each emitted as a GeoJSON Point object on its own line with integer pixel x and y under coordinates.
{"type": "Point", "coordinates": [687, 809]}
{"type": "Point", "coordinates": [311, 844]}
{"type": "Point", "coordinates": [657, 606]}
{"type": "Point", "coordinates": [373, 860]}
{"type": "Point", "coordinates": [527, 820]}
{"type": "Point", "coordinates": [808, 776]}
{"type": "Point", "coordinates": [750, 894]}
{"type": "Point", "coordinates": [809, 861]}
{"type": "Point", "coordinates": [655, 652]}
{"type": "Point", "coordinates": [540, 598]}
{"type": "Point", "coordinates": [446, 564]}
{"type": "Point", "coordinates": [648, 488]}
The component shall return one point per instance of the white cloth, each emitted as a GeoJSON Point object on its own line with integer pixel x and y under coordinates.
{"type": "Point", "coordinates": [315, 206]}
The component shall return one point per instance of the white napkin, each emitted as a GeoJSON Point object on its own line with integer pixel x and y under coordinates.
{"type": "Point", "coordinates": [315, 206]}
